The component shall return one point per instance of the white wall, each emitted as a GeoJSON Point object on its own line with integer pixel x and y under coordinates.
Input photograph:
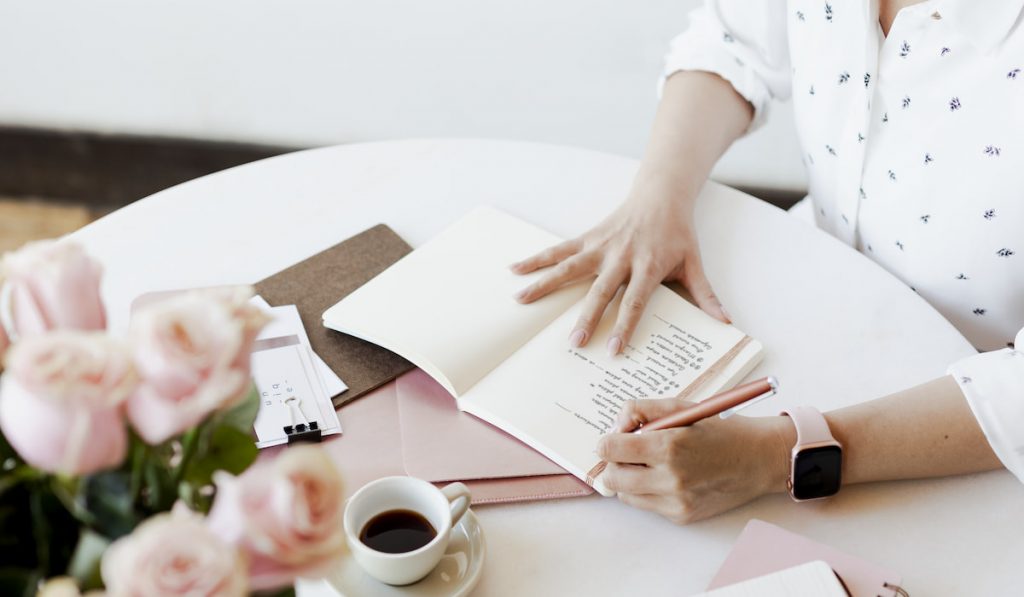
{"type": "Point", "coordinates": [314, 72]}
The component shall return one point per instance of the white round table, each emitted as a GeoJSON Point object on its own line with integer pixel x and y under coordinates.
{"type": "Point", "coordinates": [837, 330]}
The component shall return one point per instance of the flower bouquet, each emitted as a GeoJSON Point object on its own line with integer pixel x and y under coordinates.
{"type": "Point", "coordinates": [127, 464]}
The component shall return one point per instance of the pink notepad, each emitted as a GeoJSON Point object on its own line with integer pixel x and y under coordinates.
{"type": "Point", "coordinates": [764, 548]}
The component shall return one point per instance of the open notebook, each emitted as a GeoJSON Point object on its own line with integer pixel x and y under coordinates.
{"type": "Point", "coordinates": [448, 308]}
{"type": "Point", "coordinates": [813, 579]}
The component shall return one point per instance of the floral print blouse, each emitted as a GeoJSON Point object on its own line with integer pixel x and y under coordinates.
{"type": "Point", "coordinates": [914, 148]}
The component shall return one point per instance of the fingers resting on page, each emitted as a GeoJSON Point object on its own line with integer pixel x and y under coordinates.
{"type": "Point", "coordinates": [631, 258]}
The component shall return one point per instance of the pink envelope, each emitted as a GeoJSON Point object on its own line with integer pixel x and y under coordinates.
{"type": "Point", "coordinates": [441, 443]}
{"type": "Point", "coordinates": [371, 447]}
{"type": "Point", "coordinates": [764, 548]}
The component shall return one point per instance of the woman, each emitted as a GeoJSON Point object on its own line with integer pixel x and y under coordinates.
{"type": "Point", "coordinates": [911, 118]}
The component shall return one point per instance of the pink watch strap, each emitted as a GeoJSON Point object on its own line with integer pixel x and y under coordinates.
{"type": "Point", "coordinates": [811, 426]}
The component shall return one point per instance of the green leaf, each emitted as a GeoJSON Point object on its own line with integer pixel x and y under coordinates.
{"type": "Point", "coordinates": [40, 528]}
{"type": "Point", "coordinates": [7, 451]}
{"type": "Point", "coordinates": [285, 592]}
{"type": "Point", "coordinates": [20, 582]}
{"type": "Point", "coordinates": [159, 491]}
{"type": "Point", "coordinates": [85, 563]}
{"type": "Point", "coordinates": [13, 470]}
{"type": "Point", "coordinates": [69, 491]}
{"type": "Point", "coordinates": [17, 476]}
{"type": "Point", "coordinates": [242, 416]}
{"type": "Point", "coordinates": [54, 531]}
{"type": "Point", "coordinates": [17, 541]}
{"type": "Point", "coordinates": [227, 449]}
{"type": "Point", "coordinates": [108, 499]}
{"type": "Point", "coordinates": [136, 465]}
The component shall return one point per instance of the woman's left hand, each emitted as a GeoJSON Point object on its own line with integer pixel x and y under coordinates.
{"type": "Point", "coordinates": [691, 473]}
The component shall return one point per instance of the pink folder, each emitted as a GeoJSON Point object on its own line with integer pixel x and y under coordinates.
{"type": "Point", "coordinates": [371, 447]}
{"type": "Point", "coordinates": [440, 443]}
{"type": "Point", "coordinates": [764, 548]}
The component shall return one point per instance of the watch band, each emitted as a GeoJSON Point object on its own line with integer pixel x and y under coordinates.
{"type": "Point", "coordinates": [811, 426]}
{"type": "Point", "coordinates": [816, 461]}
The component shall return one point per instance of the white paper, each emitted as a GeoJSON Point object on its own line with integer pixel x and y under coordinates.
{"type": "Point", "coordinates": [292, 391]}
{"type": "Point", "coordinates": [561, 400]}
{"type": "Point", "coordinates": [448, 305]}
{"type": "Point", "coordinates": [333, 384]}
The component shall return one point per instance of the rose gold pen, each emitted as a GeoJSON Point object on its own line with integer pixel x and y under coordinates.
{"type": "Point", "coordinates": [724, 404]}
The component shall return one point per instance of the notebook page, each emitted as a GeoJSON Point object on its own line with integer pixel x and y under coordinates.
{"type": "Point", "coordinates": [448, 306]}
{"type": "Point", "coordinates": [561, 400]}
{"type": "Point", "coordinates": [812, 579]}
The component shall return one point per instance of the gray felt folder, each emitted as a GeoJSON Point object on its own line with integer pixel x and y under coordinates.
{"type": "Point", "coordinates": [322, 280]}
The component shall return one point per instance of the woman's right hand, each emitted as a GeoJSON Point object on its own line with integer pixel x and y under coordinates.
{"type": "Point", "coordinates": [649, 239]}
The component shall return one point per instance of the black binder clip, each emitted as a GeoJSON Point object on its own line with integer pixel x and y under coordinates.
{"type": "Point", "coordinates": [302, 432]}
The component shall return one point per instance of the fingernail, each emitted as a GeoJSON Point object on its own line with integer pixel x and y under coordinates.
{"type": "Point", "coordinates": [514, 266]}
{"type": "Point", "coordinates": [614, 345]}
{"type": "Point", "coordinates": [725, 312]}
{"type": "Point", "coordinates": [577, 338]}
{"type": "Point", "coordinates": [521, 294]}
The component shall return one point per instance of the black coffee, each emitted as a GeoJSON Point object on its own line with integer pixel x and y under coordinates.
{"type": "Point", "coordinates": [397, 531]}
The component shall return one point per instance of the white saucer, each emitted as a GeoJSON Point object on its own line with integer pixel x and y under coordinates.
{"type": "Point", "coordinates": [455, 576]}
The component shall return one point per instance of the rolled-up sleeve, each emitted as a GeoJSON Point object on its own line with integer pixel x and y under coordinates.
{"type": "Point", "coordinates": [993, 383]}
{"type": "Point", "coordinates": [742, 41]}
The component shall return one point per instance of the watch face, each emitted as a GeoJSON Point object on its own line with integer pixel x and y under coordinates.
{"type": "Point", "coordinates": [816, 472]}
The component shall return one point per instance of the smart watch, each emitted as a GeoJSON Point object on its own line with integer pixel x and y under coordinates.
{"type": "Point", "coordinates": [816, 465]}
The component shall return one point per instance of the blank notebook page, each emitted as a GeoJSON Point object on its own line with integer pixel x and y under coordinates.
{"type": "Point", "coordinates": [813, 579]}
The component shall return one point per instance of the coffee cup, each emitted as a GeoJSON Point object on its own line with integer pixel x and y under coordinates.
{"type": "Point", "coordinates": [398, 528]}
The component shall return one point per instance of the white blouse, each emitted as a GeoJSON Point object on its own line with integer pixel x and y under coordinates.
{"type": "Point", "coordinates": [914, 149]}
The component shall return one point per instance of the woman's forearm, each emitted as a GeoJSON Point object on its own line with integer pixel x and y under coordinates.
{"type": "Point", "coordinates": [924, 431]}
{"type": "Point", "coordinates": [699, 117]}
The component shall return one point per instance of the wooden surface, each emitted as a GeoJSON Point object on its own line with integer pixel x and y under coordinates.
{"type": "Point", "coordinates": [109, 169]}
{"type": "Point", "coordinates": [25, 220]}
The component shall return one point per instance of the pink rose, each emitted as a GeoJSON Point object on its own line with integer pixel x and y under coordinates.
{"type": "Point", "coordinates": [62, 401]}
{"type": "Point", "coordinates": [51, 285]}
{"type": "Point", "coordinates": [173, 554]}
{"type": "Point", "coordinates": [5, 342]}
{"type": "Point", "coordinates": [286, 513]}
{"type": "Point", "coordinates": [192, 352]}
